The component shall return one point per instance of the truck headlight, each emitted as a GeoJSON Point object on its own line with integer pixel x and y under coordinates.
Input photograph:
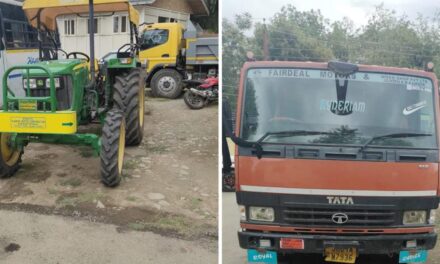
{"type": "Point", "coordinates": [265, 214]}
{"type": "Point", "coordinates": [56, 81]}
{"type": "Point", "coordinates": [414, 217]}
{"type": "Point", "coordinates": [32, 83]}
{"type": "Point", "coordinates": [431, 219]}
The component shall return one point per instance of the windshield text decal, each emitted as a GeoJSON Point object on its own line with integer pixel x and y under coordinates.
{"type": "Point", "coordinates": [337, 106]}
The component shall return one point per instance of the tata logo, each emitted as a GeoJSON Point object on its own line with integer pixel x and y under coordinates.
{"type": "Point", "coordinates": [340, 200]}
{"type": "Point", "coordinates": [340, 218]}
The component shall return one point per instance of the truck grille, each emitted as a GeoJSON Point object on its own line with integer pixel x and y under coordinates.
{"type": "Point", "coordinates": [323, 217]}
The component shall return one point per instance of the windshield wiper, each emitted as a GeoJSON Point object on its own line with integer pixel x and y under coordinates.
{"type": "Point", "coordinates": [393, 135]}
{"type": "Point", "coordinates": [287, 133]}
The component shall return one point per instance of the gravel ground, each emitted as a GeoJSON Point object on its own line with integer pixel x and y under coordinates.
{"type": "Point", "coordinates": [169, 185]}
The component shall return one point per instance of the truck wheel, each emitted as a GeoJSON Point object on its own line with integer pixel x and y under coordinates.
{"type": "Point", "coordinates": [10, 157]}
{"type": "Point", "coordinates": [167, 83]}
{"type": "Point", "coordinates": [112, 148]}
{"type": "Point", "coordinates": [194, 101]}
{"type": "Point", "coordinates": [129, 97]}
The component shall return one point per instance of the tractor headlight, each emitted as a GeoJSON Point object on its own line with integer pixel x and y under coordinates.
{"type": "Point", "coordinates": [32, 83]}
{"type": "Point", "coordinates": [265, 214]}
{"type": "Point", "coordinates": [125, 60]}
{"type": "Point", "coordinates": [56, 81]}
{"type": "Point", "coordinates": [414, 217]}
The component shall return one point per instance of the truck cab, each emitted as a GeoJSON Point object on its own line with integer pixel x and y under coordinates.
{"type": "Point", "coordinates": [173, 53]}
{"type": "Point", "coordinates": [337, 159]}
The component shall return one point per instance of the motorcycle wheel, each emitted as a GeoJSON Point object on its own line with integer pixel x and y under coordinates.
{"type": "Point", "coordinates": [194, 101]}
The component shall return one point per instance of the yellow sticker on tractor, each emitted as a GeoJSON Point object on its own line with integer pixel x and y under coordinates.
{"type": "Point", "coordinates": [27, 105]}
{"type": "Point", "coordinates": [61, 122]}
{"type": "Point", "coordinates": [28, 122]}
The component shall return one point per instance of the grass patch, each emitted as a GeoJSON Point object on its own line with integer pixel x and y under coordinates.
{"type": "Point", "coordinates": [131, 164]}
{"type": "Point", "coordinates": [74, 182]}
{"type": "Point", "coordinates": [174, 224]}
{"type": "Point", "coordinates": [157, 149]}
{"type": "Point", "coordinates": [75, 199]}
{"type": "Point", "coordinates": [131, 198]}
{"type": "Point", "coordinates": [52, 191]}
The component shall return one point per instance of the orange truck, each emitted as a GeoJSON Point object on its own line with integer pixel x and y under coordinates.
{"type": "Point", "coordinates": [337, 159]}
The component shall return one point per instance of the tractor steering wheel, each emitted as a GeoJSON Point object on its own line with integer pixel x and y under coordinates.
{"type": "Point", "coordinates": [74, 54]}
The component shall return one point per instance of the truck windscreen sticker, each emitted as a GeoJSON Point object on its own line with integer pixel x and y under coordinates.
{"type": "Point", "coordinates": [410, 82]}
{"type": "Point", "coordinates": [414, 108]}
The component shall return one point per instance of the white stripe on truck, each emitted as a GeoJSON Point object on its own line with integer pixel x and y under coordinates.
{"type": "Point", "coordinates": [262, 189]}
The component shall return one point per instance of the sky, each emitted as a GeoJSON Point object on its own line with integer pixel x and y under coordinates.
{"type": "Point", "coordinates": [357, 10]}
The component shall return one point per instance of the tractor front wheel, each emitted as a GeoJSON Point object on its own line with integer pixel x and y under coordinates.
{"type": "Point", "coordinates": [10, 157]}
{"type": "Point", "coordinates": [129, 97]}
{"type": "Point", "coordinates": [112, 148]}
{"type": "Point", "coordinates": [167, 83]}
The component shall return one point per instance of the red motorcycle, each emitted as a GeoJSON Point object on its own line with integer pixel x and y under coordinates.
{"type": "Point", "coordinates": [201, 92]}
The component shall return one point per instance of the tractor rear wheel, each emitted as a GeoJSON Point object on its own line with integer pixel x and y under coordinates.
{"type": "Point", "coordinates": [167, 83]}
{"type": "Point", "coordinates": [10, 157]}
{"type": "Point", "coordinates": [129, 97]}
{"type": "Point", "coordinates": [112, 148]}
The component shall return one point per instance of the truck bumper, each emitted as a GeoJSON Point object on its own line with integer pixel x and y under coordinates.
{"type": "Point", "coordinates": [365, 244]}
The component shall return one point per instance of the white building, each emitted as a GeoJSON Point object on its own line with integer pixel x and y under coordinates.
{"type": "Point", "coordinates": [112, 29]}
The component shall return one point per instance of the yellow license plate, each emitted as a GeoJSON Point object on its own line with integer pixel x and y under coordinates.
{"type": "Point", "coordinates": [340, 255]}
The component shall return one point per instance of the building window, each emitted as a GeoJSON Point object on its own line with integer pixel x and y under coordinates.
{"type": "Point", "coordinates": [69, 27]}
{"type": "Point", "coordinates": [153, 38]}
{"type": "Point", "coordinates": [95, 26]}
{"type": "Point", "coordinates": [163, 19]}
{"type": "Point", "coordinates": [120, 24]}
{"type": "Point", "coordinates": [116, 24]}
{"type": "Point", "coordinates": [123, 24]}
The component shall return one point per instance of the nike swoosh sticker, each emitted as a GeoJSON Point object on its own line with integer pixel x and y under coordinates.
{"type": "Point", "coordinates": [413, 108]}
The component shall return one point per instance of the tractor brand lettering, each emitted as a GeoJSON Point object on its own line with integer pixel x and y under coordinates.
{"type": "Point", "coordinates": [288, 73]}
{"type": "Point", "coordinates": [342, 106]}
{"type": "Point", "coordinates": [340, 200]}
{"type": "Point", "coordinates": [28, 122]}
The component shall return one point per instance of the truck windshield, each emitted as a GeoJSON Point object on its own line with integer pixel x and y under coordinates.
{"type": "Point", "coordinates": [348, 110]}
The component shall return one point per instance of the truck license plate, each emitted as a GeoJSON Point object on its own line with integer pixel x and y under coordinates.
{"type": "Point", "coordinates": [255, 256]}
{"type": "Point", "coordinates": [340, 255]}
{"type": "Point", "coordinates": [418, 256]}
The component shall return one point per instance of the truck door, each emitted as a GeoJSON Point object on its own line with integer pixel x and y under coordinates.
{"type": "Point", "coordinates": [159, 47]}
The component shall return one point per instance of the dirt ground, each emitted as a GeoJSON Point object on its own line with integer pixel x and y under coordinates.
{"type": "Point", "coordinates": [169, 185]}
{"type": "Point", "coordinates": [233, 254]}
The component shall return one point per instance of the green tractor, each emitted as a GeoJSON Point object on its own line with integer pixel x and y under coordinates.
{"type": "Point", "coordinates": [61, 95]}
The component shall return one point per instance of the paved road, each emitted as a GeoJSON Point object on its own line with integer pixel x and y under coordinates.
{"type": "Point", "coordinates": [48, 239]}
{"type": "Point", "coordinates": [233, 254]}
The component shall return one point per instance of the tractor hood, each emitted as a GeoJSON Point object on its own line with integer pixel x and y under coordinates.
{"type": "Point", "coordinates": [59, 67]}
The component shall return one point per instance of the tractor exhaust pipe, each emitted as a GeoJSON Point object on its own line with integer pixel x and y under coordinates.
{"type": "Point", "coordinates": [92, 40]}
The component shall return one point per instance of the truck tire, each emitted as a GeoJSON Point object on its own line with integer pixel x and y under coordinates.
{"type": "Point", "coordinates": [10, 158]}
{"type": "Point", "coordinates": [167, 83]}
{"type": "Point", "coordinates": [112, 148]}
{"type": "Point", "coordinates": [129, 97]}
